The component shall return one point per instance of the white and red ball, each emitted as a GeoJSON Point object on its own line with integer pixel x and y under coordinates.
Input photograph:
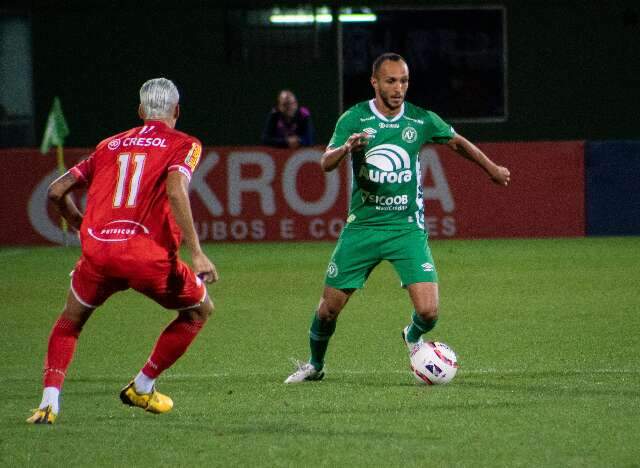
{"type": "Point", "coordinates": [434, 363]}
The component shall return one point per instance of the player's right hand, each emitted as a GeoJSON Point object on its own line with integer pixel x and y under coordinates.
{"type": "Point", "coordinates": [356, 142]}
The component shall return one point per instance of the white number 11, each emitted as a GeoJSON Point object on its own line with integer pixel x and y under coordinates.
{"type": "Point", "coordinates": [134, 186]}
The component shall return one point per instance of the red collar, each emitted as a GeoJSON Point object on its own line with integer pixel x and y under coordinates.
{"type": "Point", "coordinates": [157, 123]}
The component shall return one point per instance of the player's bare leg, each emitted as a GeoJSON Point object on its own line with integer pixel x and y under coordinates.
{"type": "Point", "coordinates": [172, 343]}
{"type": "Point", "coordinates": [62, 344]}
{"type": "Point", "coordinates": [322, 328]}
{"type": "Point", "coordinates": [332, 302]}
{"type": "Point", "coordinates": [424, 297]}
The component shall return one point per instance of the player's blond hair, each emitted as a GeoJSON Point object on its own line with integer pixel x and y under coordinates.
{"type": "Point", "coordinates": [158, 98]}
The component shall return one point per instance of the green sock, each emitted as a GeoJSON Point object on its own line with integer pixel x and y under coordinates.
{"type": "Point", "coordinates": [419, 327]}
{"type": "Point", "coordinates": [319, 334]}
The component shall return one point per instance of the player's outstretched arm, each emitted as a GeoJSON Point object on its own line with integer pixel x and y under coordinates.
{"type": "Point", "coordinates": [499, 174]}
{"type": "Point", "coordinates": [178, 194]}
{"type": "Point", "coordinates": [332, 157]}
{"type": "Point", "coordinates": [59, 196]}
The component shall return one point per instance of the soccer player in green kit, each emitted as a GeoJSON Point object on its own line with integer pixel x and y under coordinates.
{"type": "Point", "coordinates": [383, 136]}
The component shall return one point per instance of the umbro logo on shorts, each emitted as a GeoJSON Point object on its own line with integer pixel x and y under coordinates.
{"type": "Point", "coordinates": [427, 267]}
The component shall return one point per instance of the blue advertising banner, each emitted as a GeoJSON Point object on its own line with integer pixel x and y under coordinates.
{"type": "Point", "coordinates": [612, 187]}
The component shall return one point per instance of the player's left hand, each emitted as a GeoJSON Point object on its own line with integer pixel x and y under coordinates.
{"type": "Point", "coordinates": [501, 175]}
{"type": "Point", "coordinates": [204, 268]}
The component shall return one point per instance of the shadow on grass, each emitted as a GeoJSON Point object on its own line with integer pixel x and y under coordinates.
{"type": "Point", "coordinates": [290, 429]}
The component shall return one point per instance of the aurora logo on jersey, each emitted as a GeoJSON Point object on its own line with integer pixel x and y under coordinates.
{"type": "Point", "coordinates": [391, 164]}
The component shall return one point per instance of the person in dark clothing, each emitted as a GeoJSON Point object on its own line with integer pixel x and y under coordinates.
{"type": "Point", "coordinates": [288, 125]}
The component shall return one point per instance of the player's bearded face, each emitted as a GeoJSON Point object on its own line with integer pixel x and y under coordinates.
{"type": "Point", "coordinates": [392, 98]}
{"type": "Point", "coordinates": [392, 83]}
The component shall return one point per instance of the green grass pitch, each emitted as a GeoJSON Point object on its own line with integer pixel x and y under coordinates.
{"type": "Point", "coordinates": [547, 333]}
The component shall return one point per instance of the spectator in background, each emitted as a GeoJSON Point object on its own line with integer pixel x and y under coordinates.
{"type": "Point", "coordinates": [288, 125]}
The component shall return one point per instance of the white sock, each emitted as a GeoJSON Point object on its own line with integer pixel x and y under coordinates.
{"type": "Point", "coordinates": [143, 383]}
{"type": "Point", "coordinates": [50, 397]}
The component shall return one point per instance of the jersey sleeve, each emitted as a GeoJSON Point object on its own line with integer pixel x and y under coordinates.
{"type": "Point", "coordinates": [84, 169]}
{"type": "Point", "coordinates": [344, 129]}
{"type": "Point", "coordinates": [438, 131]}
{"type": "Point", "coordinates": [186, 157]}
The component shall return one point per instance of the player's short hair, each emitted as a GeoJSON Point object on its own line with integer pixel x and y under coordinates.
{"type": "Point", "coordinates": [158, 98]}
{"type": "Point", "coordinates": [377, 63]}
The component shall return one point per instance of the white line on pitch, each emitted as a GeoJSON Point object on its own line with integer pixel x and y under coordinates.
{"type": "Point", "coordinates": [398, 371]}
{"type": "Point", "coordinates": [488, 371]}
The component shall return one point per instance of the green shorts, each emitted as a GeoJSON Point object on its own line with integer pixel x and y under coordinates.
{"type": "Point", "coordinates": [359, 250]}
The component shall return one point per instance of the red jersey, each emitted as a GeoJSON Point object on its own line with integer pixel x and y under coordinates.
{"type": "Point", "coordinates": [128, 213]}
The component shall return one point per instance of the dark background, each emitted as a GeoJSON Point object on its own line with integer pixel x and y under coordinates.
{"type": "Point", "coordinates": [573, 67]}
{"type": "Point", "coordinates": [457, 59]}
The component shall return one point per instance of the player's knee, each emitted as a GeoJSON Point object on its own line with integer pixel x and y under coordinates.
{"type": "Point", "coordinates": [427, 311]}
{"type": "Point", "coordinates": [77, 315]}
{"type": "Point", "coordinates": [332, 302]}
{"type": "Point", "coordinates": [203, 312]}
{"type": "Point", "coordinates": [328, 310]}
{"type": "Point", "coordinates": [207, 308]}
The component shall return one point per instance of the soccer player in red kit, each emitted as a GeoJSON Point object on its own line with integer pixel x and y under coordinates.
{"type": "Point", "coordinates": [137, 214]}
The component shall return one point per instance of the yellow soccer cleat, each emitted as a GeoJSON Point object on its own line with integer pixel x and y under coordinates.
{"type": "Point", "coordinates": [154, 402]}
{"type": "Point", "coordinates": [43, 416]}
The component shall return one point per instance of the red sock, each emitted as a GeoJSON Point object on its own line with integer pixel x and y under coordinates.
{"type": "Point", "coordinates": [172, 343]}
{"type": "Point", "coordinates": [62, 344]}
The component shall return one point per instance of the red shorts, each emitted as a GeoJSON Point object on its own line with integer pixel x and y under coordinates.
{"type": "Point", "coordinates": [173, 285]}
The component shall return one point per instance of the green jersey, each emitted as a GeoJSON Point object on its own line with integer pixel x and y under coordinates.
{"type": "Point", "coordinates": [386, 184]}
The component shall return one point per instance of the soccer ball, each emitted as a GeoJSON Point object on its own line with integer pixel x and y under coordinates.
{"type": "Point", "coordinates": [433, 363]}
